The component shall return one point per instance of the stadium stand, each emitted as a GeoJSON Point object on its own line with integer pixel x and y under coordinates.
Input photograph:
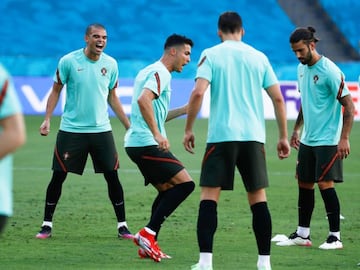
{"type": "Point", "coordinates": [346, 15]}
{"type": "Point", "coordinates": [36, 33]}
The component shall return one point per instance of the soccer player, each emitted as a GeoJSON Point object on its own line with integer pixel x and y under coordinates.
{"type": "Point", "coordinates": [12, 136]}
{"type": "Point", "coordinates": [237, 74]}
{"type": "Point", "coordinates": [324, 141]}
{"type": "Point", "coordinates": [147, 145]}
{"type": "Point", "coordinates": [91, 77]}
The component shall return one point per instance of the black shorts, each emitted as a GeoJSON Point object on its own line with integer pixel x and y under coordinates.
{"type": "Point", "coordinates": [219, 163]}
{"type": "Point", "coordinates": [319, 163]}
{"type": "Point", "coordinates": [155, 165]}
{"type": "Point", "coordinates": [72, 149]}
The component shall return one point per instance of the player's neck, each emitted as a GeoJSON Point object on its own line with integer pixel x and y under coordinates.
{"type": "Point", "coordinates": [236, 36]}
{"type": "Point", "coordinates": [91, 56]}
{"type": "Point", "coordinates": [316, 57]}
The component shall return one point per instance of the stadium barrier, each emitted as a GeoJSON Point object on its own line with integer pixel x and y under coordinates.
{"type": "Point", "coordinates": [34, 91]}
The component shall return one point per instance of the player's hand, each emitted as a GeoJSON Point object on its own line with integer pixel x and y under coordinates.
{"type": "Point", "coordinates": [283, 148]}
{"type": "Point", "coordinates": [189, 142]}
{"type": "Point", "coordinates": [163, 143]}
{"type": "Point", "coordinates": [343, 148]}
{"type": "Point", "coordinates": [45, 128]}
{"type": "Point", "coordinates": [295, 140]}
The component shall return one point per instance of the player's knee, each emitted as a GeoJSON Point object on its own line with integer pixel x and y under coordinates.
{"type": "Point", "coordinates": [188, 187]}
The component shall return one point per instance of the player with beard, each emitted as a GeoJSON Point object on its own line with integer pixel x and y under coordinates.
{"type": "Point", "coordinates": [325, 117]}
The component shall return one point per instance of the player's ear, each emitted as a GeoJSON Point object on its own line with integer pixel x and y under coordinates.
{"type": "Point", "coordinates": [312, 45]}
{"type": "Point", "coordinates": [219, 33]}
{"type": "Point", "coordinates": [173, 50]}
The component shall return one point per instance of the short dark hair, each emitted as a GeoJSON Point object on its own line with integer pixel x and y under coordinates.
{"type": "Point", "coordinates": [230, 22]}
{"type": "Point", "coordinates": [306, 34]}
{"type": "Point", "coordinates": [176, 39]}
{"type": "Point", "coordinates": [93, 25]}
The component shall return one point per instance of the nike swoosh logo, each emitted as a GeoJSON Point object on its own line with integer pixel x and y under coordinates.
{"type": "Point", "coordinates": [50, 203]}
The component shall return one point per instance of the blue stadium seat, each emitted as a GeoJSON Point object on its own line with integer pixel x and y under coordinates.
{"type": "Point", "coordinates": [345, 14]}
{"type": "Point", "coordinates": [45, 30]}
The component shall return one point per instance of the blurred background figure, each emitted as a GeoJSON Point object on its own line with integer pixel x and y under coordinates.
{"type": "Point", "coordinates": [12, 136]}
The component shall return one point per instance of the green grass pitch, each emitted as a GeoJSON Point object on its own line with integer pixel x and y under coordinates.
{"type": "Point", "coordinates": [85, 235]}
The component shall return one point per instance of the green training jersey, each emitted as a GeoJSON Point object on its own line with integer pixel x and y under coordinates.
{"type": "Point", "coordinates": [320, 86]}
{"type": "Point", "coordinates": [156, 78]}
{"type": "Point", "coordinates": [238, 74]}
{"type": "Point", "coordinates": [9, 105]}
{"type": "Point", "coordinates": [87, 88]}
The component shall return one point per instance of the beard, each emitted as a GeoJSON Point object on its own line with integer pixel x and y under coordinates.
{"type": "Point", "coordinates": [307, 59]}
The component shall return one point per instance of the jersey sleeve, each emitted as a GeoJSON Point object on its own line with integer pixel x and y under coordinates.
{"type": "Point", "coordinates": [336, 82]}
{"type": "Point", "coordinates": [10, 103]}
{"type": "Point", "coordinates": [269, 75]}
{"type": "Point", "coordinates": [62, 71]}
{"type": "Point", "coordinates": [156, 82]}
{"type": "Point", "coordinates": [204, 67]}
{"type": "Point", "coordinates": [114, 77]}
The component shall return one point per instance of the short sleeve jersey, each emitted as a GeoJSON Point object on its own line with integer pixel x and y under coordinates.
{"type": "Point", "coordinates": [237, 74]}
{"type": "Point", "coordinates": [87, 88]}
{"type": "Point", "coordinates": [320, 86]}
{"type": "Point", "coordinates": [9, 105]}
{"type": "Point", "coordinates": [156, 78]}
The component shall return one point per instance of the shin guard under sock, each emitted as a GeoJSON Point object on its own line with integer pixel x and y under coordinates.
{"type": "Point", "coordinates": [261, 223]}
{"type": "Point", "coordinates": [332, 207]}
{"type": "Point", "coordinates": [306, 203]}
{"type": "Point", "coordinates": [206, 225]}
{"type": "Point", "coordinates": [170, 200]}
{"type": "Point", "coordinates": [116, 194]}
{"type": "Point", "coordinates": [53, 194]}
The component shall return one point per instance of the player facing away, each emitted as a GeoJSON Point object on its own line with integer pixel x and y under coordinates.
{"type": "Point", "coordinates": [324, 141]}
{"type": "Point", "coordinates": [237, 75]}
{"type": "Point", "coordinates": [91, 77]}
{"type": "Point", "coordinates": [147, 145]}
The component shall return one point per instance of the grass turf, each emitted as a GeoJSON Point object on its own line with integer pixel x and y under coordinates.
{"type": "Point", "coordinates": [85, 236]}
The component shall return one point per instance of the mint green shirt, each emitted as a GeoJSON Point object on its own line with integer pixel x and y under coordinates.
{"type": "Point", "coordinates": [157, 78]}
{"type": "Point", "coordinates": [238, 74]}
{"type": "Point", "coordinates": [320, 86]}
{"type": "Point", "coordinates": [87, 88]}
{"type": "Point", "coordinates": [9, 106]}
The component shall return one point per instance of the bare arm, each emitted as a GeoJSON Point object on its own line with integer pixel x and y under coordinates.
{"type": "Point", "coordinates": [174, 113]}
{"type": "Point", "coordinates": [117, 108]}
{"type": "Point", "coordinates": [348, 118]}
{"type": "Point", "coordinates": [194, 105]}
{"type": "Point", "coordinates": [277, 99]}
{"type": "Point", "coordinates": [13, 134]}
{"type": "Point", "coordinates": [50, 107]}
{"type": "Point", "coordinates": [147, 111]}
{"type": "Point", "coordinates": [299, 121]}
{"type": "Point", "coordinates": [295, 136]}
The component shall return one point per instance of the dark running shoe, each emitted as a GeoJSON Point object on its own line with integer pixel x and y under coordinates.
{"type": "Point", "coordinates": [44, 233]}
{"type": "Point", "coordinates": [124, 233]}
